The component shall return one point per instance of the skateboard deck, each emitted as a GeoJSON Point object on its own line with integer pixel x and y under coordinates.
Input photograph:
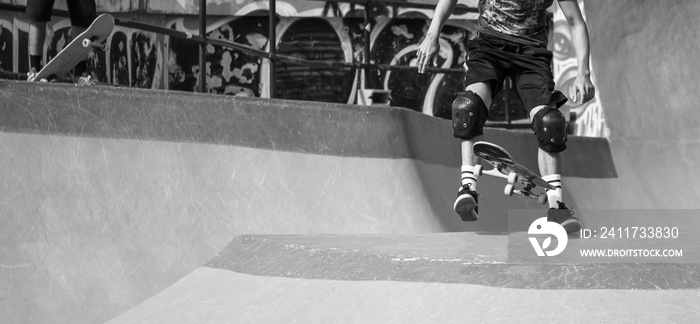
{"type": "Point", "coordinates": [78, 49]}
{"type": "Point", "coordinates": [504, 166]}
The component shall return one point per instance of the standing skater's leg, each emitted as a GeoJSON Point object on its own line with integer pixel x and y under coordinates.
{"type": "Point", "coordinates": [82, 14]}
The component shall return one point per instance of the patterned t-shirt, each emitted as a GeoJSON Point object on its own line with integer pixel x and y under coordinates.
{"type": "Point", "coordinates": [522, 20]}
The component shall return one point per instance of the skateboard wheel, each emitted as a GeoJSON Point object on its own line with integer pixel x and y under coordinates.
{"type": "Point", "coordinates": [512, 178]}
{"type": "Point", "coordinates": [478, 170]}
{"type": "Point", "coordinates": [542, 199]}
{"type": "Point", "coordinates": [86, 42]}
{"type": "Point", "coordinates": [509, 190]}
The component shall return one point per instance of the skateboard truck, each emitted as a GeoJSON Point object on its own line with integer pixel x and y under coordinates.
{"type": "Point", "coordinates": [526, 192]}
{"type": "Point", "coordinates": [88, 43]}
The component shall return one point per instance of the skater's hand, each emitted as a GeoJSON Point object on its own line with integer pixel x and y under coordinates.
{"type": "Point", "coordinates": [427, 53]}
{"type": "Point", "coordinates": [583, 89]}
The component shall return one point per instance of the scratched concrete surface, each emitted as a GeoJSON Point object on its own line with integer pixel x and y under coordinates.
{"type": "Point", "coordinates": [220, 296]}
{"type": "Point", "coordinates": [111, 195]}
{"type": "Point", "coordinates": [153, 206]}
{"type": "Point", "coordinates": [97, 220]}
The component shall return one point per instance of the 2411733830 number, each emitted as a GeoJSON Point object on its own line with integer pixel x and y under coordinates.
{"type": "Point", "coordinates": [637, 232]}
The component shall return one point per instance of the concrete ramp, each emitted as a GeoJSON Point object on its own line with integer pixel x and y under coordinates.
{"type": "Point", "coordinates": [430, 278]}
{"type": "Point", "coordinates": [153, 206]}
{"type": "Point", "coordinates": [112, 194]}
{"type": "Point", "coordinates": [220, 296]}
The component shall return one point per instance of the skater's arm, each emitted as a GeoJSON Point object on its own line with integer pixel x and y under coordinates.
{"type": "Point", "coordinates": [430, 45]}
{"type": "Point", "coordinates": [583, 89]}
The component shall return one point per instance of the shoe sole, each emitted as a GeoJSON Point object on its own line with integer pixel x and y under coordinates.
{"type": "Point", "coordinates": [572, 226]}
{"type": "Point", "coordinates": [465, 207]}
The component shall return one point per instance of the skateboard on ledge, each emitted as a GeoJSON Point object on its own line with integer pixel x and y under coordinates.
{"type": "Point", "coordinates": [78, 49]}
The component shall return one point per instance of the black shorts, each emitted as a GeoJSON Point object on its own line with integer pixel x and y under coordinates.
{"type": "Point", "coordinates": [491, 59]}
{"type": "Point", "coordinates": [82, 12]}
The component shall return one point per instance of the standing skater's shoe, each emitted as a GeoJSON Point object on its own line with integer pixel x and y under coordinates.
{"type": "Point", "coordinates": [32, 74]}
{"type": "Point", "coordinates": [85, 81]}
{"type": "Point", "coordinates": [466, 204]}
{"type": "Point", "coordinates": [564, 217]}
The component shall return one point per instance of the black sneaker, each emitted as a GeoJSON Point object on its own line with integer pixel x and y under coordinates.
{"type": "Point", "coordinates": [564, 217]}
{"type": "Point", "coordinates": [466, 204]}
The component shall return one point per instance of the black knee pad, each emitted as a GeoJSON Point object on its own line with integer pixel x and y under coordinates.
{"type": "Point", "coordinates": [469, 115]}
{"type": "Point", "coordinates": [549, 125]}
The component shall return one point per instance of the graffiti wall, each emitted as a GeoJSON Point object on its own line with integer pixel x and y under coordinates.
{"type": "Point", "coordinates": [102, 5]}
{"type": "Point", "coordinates": [588, 119]}
{"type": "Point", "coordinates": [310, 30]}
{"type": "Point", "coordinates": [285, 8]}
{"type": "Point", "coordinates": [133, 58]}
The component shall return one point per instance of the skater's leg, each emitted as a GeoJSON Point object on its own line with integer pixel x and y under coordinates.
{"type": "Point", "coordinates": [469, 160]}
{"type": "Point", "coordinates": [82, 14]}
{"type": "Point", "coordinates": [39, 14]}
{"type": "Point", "coordinates": [469, 112]}
{"type": "Point", "coordinates": [550, 128]}
{"type": "Point", "coordinates": [37, 36]}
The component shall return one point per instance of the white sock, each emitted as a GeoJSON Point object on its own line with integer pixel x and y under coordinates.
{"type": "Point", "coordinates": [554, 196]}
{"type": "Point", "coordinates": [468, 177]}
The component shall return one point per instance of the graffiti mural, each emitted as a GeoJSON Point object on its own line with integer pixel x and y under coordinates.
{"type": "Point", "coordinates": [236, 73]}
{"type": "Point", "coordinates": [228, 71]}
{"type": "Point", "coordinates": [309, 30]}
{"type": "Point", "coordinates": [119, 57]}
{"type": "Point", "coordinates": [395, 42]}
{"type": "Point", "coordinates": [314, 39]}
{"type": "Point", "coordinates": [6, 48]}
{"type": "Point", "coordinates": [182, 60]}
{"type": "Point", "coordinates": [146, 59]}
{"type": "Point", "coordinates": [112, 6]}
{"type": "Point", "coordinates": [291, 8]}
{"type": "Point", "coordinates": [588, 119]}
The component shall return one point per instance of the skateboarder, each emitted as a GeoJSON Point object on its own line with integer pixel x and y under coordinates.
{"type": "Point", "coordinates": [512, 41]}
{"type": "Point", "coordinates": [82, 13]}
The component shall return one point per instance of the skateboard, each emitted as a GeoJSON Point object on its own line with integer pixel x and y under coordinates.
{"type": "Point", "coordinates": [504, 166]}
{"type": "Point", "coordinates": [78, 49]}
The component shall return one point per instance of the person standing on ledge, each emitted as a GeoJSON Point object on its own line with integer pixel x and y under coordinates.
{"type": "Point", "coordinates": [82, 14]}
{"type": "Point", "coordinates": [512, 39]}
